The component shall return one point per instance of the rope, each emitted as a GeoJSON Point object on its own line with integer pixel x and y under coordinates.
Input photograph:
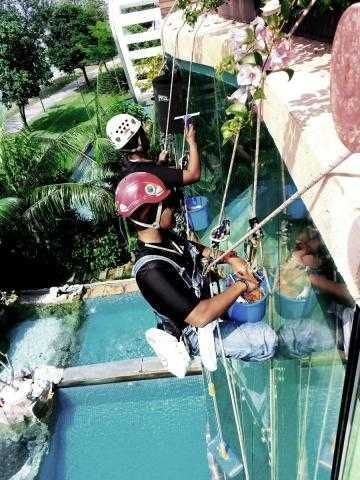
{"type": "Point", "coordinates": [327, 404]}
{"type": "Point", "coordinates": [300, 472]}
{"type": "Point", "coordinates": [174, 5]}
{"type": "Point", "coordinates": [189, 82]}
{"type": "Point", "coordinates": [279, 209]}
{"type": "Point", "coordinates": [186, 114]}
{"type": "Point", "coordinates": [232, 397]}
{"type": "Point", "coordinates": [257, 152]}
{"type": "Point", "coordinates": [301, 18]}
{"type": "Point", "coordinates": [212, 393]}
{"type": "Point", "coordinates": [221, 215]}
{"type": "Point", "coordinates": [171, 86]}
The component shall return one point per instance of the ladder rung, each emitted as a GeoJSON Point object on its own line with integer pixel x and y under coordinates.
{"type": "Point", "coordinates": [145, 53]}
{"type": "Point", "coordinates": [139, 17]}
{"type": "Point", "coordinates": [143, 36]}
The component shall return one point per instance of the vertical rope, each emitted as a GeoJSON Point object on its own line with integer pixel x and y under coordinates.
{"type": "Point", "coordinates": [300, 471]}
{"type": "Point", "coordinates": [301, 18]}
{"type": "Point", "coordinates": [221, 215]}
{"type": "Point", "coordinates": [171, 87]}
{"type": "Point", "coordinates": [257, 152]}
{"type": "Point", "coordinates": [232, 397]}
{"type": "Point", "coordinates": [327, 404]}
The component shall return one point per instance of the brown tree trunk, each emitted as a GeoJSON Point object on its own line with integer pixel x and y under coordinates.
{"type": "Point", "coordinates": [23, 115]}
{"type": "Point", "coordinates": [87, 81]}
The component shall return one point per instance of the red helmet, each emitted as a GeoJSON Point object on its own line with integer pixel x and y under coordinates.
{"type": "Point", "coordinates": [138, 189]}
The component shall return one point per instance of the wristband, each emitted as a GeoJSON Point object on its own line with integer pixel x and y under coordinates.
{"type": "Point", "coordinates": [245, 282]}
{"type": "Point", "coordinates": [242, 280]}
{"type": "Point", "coordinates": [231, 254]}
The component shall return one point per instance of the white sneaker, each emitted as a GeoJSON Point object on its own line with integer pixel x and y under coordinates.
{"type": "Point", "coordinates": [207, 346]}
{"type": "Point", "coordinates": [172, 354]}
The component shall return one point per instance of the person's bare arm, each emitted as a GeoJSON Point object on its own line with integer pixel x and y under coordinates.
{"type": "Point", "coordinates": [193, 172]}
{"type": "Point", "coordinates": [210, 309]}
{"type": "Point", "coordinates": [328, 286]}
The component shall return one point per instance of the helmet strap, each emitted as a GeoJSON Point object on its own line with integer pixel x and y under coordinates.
{"type": "Point", "coordinates": [156, 223]}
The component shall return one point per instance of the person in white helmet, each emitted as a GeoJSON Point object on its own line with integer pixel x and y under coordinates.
{"type": "Point", "coordinates": [127, 135]}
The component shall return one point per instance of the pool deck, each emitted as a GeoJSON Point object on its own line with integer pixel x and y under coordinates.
{"type": "Point", "coordinates": [121, 371]}
{"type": "Point", "coordinates": [49, 296]}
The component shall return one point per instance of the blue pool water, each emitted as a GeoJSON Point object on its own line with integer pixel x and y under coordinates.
{"type": "Point", "coordinates": [114, 329]}
{"type": "Point", "coordinates": [151, 430]}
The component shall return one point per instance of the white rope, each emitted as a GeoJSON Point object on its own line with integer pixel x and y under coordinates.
{"type": "Point", "coordinates": [212, 393]}
{"type": "Point", "coordinates": [174, 5]}
{"type": "Point", "coordinates": [300, 471]}
{"type": "Point", "coordinates": [189, 82]}
{"type": "Point", "coordinates": [232, 397]}
{"type": "Point", "coordinates": [283, 186]}
{"type": "Point", "coordinates": [221, 215]}
{"type": "Point", "coordinates": [257, 152]}
{"type": "Point", "coordinates": [327, 404]}
{"type": "Point", "coordinates": [301, 18]}
{"type": "Point", "coordinates": [279, 209]}
{"type": "Point", "coordinates": [186, 114]}
{"type": "Point", "coordinates": [171, 87]}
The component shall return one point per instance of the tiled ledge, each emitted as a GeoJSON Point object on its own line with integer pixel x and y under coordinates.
{"type": "Point", "coordinates": [90, 290]}
{"type": "Point", "coordinates": [297, 114]}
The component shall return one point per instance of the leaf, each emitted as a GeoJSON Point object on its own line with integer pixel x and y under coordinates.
{"type": "Point", "coordinates": [248, 59]}
{"type": "Point", "coordinates": [259, 94]}
{"type": "Point", "coordinates": [290, 72]}
{"type": "Point", "coordinates": [258, 59]}
{"type": "Point", "coordinates": [235, 108]}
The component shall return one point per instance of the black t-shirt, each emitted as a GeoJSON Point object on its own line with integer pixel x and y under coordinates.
{"type": "Point", "coordinates": [172, 177]}
{"type": "Point", "coordinates": [162, 286]}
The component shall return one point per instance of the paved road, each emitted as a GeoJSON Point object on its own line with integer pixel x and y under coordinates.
{"type": "Point", "coordinates": [14, 122]}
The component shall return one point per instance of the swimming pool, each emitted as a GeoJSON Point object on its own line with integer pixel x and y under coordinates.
{"type": "Point", "coordinates": [152, 429]}
{"type": "Point", "coordinates": [114, 329]}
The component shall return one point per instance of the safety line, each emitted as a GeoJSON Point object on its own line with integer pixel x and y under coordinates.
{"type": "Point", "coordinates": [327, 404]}
{"type": "Point", "coordinates": [257, 153]}
{"type": "Point", "coordinates": [302, 17]}
{"type": "Point", "coordinates": [171, 86]}
{"type": "Point", "coordinates": [232, 397]}
{"type": "Point", "coordinates": [221, 215]}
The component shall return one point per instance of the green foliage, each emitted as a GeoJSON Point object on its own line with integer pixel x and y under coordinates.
{"type": "Point", "coordinates": [10, 209]}
{"type": "Point", "coordinates": [240, 117]}
{"type": "Point", "coordinates": [23, 62]}
{"type": "Point", "coordinates": [149, 69]}
{"type": "Point", "coordinates": [58, 84]}
{"type": "Point", "coordinates": [68, 32]}
{"type": "Point", "coordinates": [193, 11]}
{"type": "Point", "coordinates": [93, 253]}
{"type": "Point", "coordinates": [228, 64]}
{"type": "Point", "coordinates": [73, 313]}
{"type": "Point", "coordinates": [102, 47]}
{"type": "Point", "coordinates": [26, 162]}
{"type": "Point", "coordinates": [111, 81]}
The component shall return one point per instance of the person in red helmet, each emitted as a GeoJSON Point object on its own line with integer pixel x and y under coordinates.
{"type": "Point", "coordinates": [128, 136]}
{"type": "Point", "coordinates": [168, 273]}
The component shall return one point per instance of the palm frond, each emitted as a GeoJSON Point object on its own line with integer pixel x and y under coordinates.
{"type": "Point", "coordinates": [10, 209]}
{"type": "Point", "coordinates": [53, 201]}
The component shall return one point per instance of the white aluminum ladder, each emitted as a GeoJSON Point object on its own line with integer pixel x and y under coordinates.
{"type": "Point", "coordinates": [124, 13]}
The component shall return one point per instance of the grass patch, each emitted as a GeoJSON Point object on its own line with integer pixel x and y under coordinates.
{"type": "Point", "coordinates": [74, 110]}
{"type": "Point", "coordinates": [58, 84]}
